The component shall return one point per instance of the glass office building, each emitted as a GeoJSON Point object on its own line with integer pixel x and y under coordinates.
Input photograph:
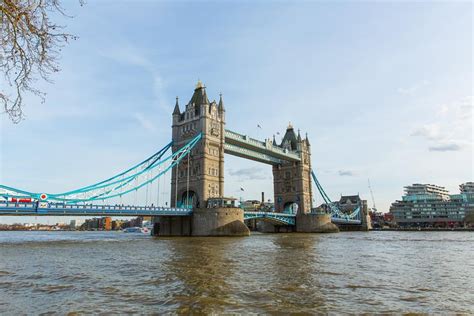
{"type": "Point", "coordinates": [428, 205]}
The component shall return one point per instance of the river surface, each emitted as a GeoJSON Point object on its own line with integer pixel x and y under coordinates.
{"type": "Point", "coordinates": [349, 272]}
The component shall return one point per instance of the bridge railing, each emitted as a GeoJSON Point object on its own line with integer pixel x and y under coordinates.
{"type": "Point", "coordinates": [5, 205]}
{"type": "Point", "coordinates": [270, 213]}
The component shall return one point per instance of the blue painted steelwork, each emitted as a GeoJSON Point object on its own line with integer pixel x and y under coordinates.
{"type": "Point", "coordinates": [63, 209]}
{"type": "Point", "coordinates": [117, 185]}
{"type": "Point", "coordinates": [148, 163]}
{"type": "Point", "coordinates": [345, 221]}
{"type": "Point", "coordinates": [280, 218]}
{"type": "Point", "coordinates": [68, 203]}
{"type": "Point", "coordinates": [337, 216]}
{"type": "Point", "coordinates": [13, 192]}
{"type": "Point", "coordinates": [343, 218]}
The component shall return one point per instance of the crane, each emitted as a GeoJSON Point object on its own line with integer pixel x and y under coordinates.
{"type": "Point", "coordinates": [372, 194]}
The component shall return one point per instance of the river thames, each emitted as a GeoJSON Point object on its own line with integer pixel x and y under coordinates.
{"type": "Point", "coordinates": [350, 272]}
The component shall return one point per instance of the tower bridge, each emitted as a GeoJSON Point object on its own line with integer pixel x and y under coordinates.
{"type": "Point", "coordinates": [196, 163]}
{"type": "Point", "coordinates": [290, 160]}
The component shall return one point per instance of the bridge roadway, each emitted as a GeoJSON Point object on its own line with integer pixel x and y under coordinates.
{"type": "Point", "coordinates": [61, 209]}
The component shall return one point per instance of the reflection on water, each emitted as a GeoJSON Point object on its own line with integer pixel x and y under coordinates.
{"type": "Point", "coordinates": [204, 267]}
{"type": "Point", "coordinates": [97, 272]}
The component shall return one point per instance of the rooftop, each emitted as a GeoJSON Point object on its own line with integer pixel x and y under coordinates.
{"type": "Point", "coordinates": [418, 188]}
{"type": "Point", "coordinates": [467, 187]}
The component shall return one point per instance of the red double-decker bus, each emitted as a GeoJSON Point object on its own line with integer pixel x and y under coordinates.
{"type": "Point", "coordinates": [20, 200]}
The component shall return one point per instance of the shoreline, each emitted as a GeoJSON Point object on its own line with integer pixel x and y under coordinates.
{"type": "Point", "coordinates": [471, 229]}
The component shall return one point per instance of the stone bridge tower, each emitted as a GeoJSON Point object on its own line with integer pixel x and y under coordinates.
{"type": "Point", "coordinates": [206, 169]}
{"type": "Point", "coordinates": [292, 180]}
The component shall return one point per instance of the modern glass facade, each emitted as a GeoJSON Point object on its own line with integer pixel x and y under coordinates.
{"type": "Point", "coordinates": [430, 205]}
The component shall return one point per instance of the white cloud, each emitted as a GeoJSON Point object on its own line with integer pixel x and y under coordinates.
{"type": "Point", "coordinates": [253, 173]}
{"type": "Point", "coordinates": [459, 110]}
{"type": "Point", "coordinates": [451, 130]}
{"type": "Point", "coordinates": [159, 93]}
{"type": "Point", "coordinates": [128, 54]}
{"type": "Point", "coordinates": [429, 131]}
{"type": "Point", "coordinates": [144, 122]}
{"type": "Point", "coordinates": [413, 88]}
{"type": "Point", "coordinates": [464, 109]}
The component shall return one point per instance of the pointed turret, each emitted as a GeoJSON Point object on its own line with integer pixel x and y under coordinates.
{"type": "Point", "coordinates": [199, 97]}
{"type": "Point", "coordinates": [299, 136]}
{"type": "Point", "coordinates": [307, 140]}
{"type": "Point", "coordinates": [176, 108]}
{"type": "Point", "coordinates": [274, 141]}
{"type": "Point", "coordinates": [290, 138]}
{"type": "Point", "coordinates": [221, 103]}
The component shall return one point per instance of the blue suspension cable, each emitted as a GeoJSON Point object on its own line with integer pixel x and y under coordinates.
{"type": "Point", "coordinates": [182, 153]}
{"type": "Point", "coordinates": [335, 211]}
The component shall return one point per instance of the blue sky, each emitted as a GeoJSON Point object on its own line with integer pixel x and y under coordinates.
{"type": "Point", "coordinates": [384, 91]}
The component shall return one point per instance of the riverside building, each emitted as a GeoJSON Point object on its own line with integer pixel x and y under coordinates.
{"type": "Point", "coordinates": [429, 205]}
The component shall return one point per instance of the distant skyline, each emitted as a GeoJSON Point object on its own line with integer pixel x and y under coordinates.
{"type": "Point", "coordinates": [384, 91]}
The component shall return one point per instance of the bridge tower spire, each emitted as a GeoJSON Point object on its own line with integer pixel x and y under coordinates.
{"type": "Point", "coordinates": [176, 108]}
{"type": "Point", "coordinates": [221, 103]}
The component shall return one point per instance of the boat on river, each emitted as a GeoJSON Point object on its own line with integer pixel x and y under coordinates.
{"type": "Point", "coordinates": [136, 230]}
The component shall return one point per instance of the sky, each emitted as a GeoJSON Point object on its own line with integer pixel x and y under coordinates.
{"type": "Point", "coordinates": [383, 89]}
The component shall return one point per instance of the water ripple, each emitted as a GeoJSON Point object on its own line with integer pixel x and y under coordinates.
{"type": "Point", "coordinates": [77, 273]}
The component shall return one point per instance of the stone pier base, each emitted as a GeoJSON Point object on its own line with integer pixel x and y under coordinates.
{"type": "Point", "coordinates": [267, 227]}
{"type": "Point", "coordinates": [219, 222]}
{"type": "Point", "coordinates": [172, 226]}
{"type": "Point", "coordinates": [315, 223]}
{"type": "Point", "coordinates": [203, 222]}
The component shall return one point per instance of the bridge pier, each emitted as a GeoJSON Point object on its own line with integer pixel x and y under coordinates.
{"type": "Point", "coordinates": [366, 224]}
{"type": "Point", "coordinates": [203, 222]}
{"type": "Point", "coordinates": [315, 223]}
{"type": "Point", "coordinates": [172, 225]}
{"type": "Point", "coordinates": [219, 222]}
{"type": "Point", "coordinates": [267, 227]}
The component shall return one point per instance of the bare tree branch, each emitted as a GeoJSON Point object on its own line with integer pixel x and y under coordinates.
{"type": "Point", "coordinates": [30, 46]}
